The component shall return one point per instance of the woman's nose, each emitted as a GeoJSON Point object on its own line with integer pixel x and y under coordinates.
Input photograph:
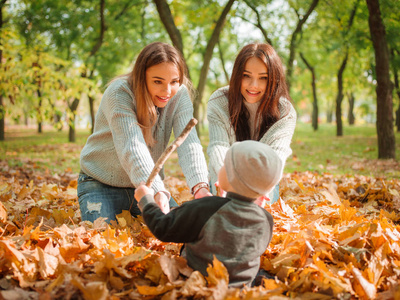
{"type": "Point", "coordinates": [254, 83]}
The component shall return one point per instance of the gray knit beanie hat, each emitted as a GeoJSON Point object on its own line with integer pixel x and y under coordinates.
{"type": "Point", "coordinates": [252, 168]}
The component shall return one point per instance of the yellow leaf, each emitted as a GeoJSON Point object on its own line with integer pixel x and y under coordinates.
{"type": "Point", "coordinates": [92, 290]}
{"type": "Point", "coordinates": [47, 264]}
{"type": "Point", "coordinates": [364, 288]}
{"type": "Point", "coordinates": [3, 212]}
{"type": "Point", "coordinates": [217, 273]}
{"type": "Point", "coordinates": [153, 290]}
{"type": "Point", "coordinates": [285, 259]}
{"type": "Point", "coordinates": [125, 218]}
{"type": "Point", "coordinates": [194, 285]}
{"type": "Point", "coordinates": [61, 216]}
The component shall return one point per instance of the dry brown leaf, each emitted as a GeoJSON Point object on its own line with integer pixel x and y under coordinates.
{"type": "Point", "coordinates": [334, 236]}
{"type": "Point", "coordinates": [217, 273]}
{"type": "Point", "coordinates": [365, 289]}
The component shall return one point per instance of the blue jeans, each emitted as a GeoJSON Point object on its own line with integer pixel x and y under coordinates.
{"type": "Point", "coordinates": [97, 199]}
{"type": "Point", "coordinates": [275, 194]}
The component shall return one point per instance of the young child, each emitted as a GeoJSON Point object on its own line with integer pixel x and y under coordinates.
{"type": "Point", "coordinates": [234, 229]}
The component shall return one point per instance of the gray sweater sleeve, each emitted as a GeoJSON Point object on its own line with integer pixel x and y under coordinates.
{"type": "Point", "coordinates": [190, 153]}
{"type": "Point", "coordinates": [129, 143]}
{"type": "Point", "coordinates": [279, 136]}
{"type": "Point", "coordinates": [220, 133]}
{"type": "Point", "coordinates": [116, 153]}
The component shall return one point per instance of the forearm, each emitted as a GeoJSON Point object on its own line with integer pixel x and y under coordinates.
{"type": "Point", "coordinates": [190, 153]}
{"type": "Point", "coordinates": [279, 136]}
{"type": "Point", "coordinates": [217, 148]}
{"type": "Point", "coordinates": [133, 152]}
{"type": "Point", "coordinates": [176, 226]}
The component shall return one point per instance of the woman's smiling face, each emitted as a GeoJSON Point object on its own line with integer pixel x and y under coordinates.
{"type": "Point", "coordinates": [162, 82]}
{"type": "Point", "coordinates": [254, 80]}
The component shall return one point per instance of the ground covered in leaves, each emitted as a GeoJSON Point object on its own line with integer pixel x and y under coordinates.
{"type": "Point", "coordinates": [334, 237]}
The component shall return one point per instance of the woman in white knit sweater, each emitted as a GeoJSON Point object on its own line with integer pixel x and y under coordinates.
{"type": "Point", "coordinates": [133, 126]}
{"type": "Point", "coordinates": [255, 106]}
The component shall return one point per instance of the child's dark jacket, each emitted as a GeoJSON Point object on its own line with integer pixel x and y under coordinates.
{"type": "Point", "coordinates": [234, 229]}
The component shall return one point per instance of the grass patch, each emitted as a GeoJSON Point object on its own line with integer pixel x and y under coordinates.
{"type": "Point", "coordinates": [355, 152]}
{"type": "Point", "coordinates": [322, 151]}
{"type": "Point", "coordinates": [47, 150]}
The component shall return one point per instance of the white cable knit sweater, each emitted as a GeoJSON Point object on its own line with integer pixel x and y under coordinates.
{"type": "Point", "coordinates": [222, 135]}
{"type": "Point", "coordinates": [116, 153]}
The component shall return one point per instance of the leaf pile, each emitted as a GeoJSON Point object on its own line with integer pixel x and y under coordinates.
{"type": "Point", "coordinates": [334, 237]}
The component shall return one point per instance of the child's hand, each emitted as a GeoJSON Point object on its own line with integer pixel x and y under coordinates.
{"type": "Point", "coordinates": [162, 201]}
{"type": "Point", "coordinates": [203, 192]}
{"type": "Point", "coordinates": [262, 201]}
{"type": "Point", "coordinates": [142, 190]}
{"type": "Point", "coordinates": [220, 192]}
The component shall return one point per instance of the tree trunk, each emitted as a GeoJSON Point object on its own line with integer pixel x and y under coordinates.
{"type": "Point", "coordinates": [207, 57]}
{"type": "Point", "coordinates": [71, 121]}
{"type": "Point", "coordinates": [384, 114]}
{"type": "Point", "coordinates": [339, 97]}
{"type": "Point", "coordinates": [221, 56]}
{"type": "Point", "coordinates": [96, 47]}
{"type": "Point", "coordinates": [169, 24]}
{"type": "Point", "coordinates": [293, 41]}
{"type": "Point", "coordinates": [103, 28]}
{"type": "Point", "coordinates": [143, 23]}
{"type": "Point", "coordinates": [329, 115]}
{"type": "Point", "coordinates": [397, 89]}
{"type": "Point", "coordinates": [350, 116]}
{"type": "Point", "coordinates": [314, 90]}
{"type": "Point", "coordinates": [39, 112]}
{"type": "Point", "coordinates": [2, 107]}
{"type": "Point", "coordinates": [398, 117]}
{"type": "Point", "coordinates": [91, 107]}
{"type": "Point", "coordinates": [2, 118]}
{"type": "Point", "coordinates": [174, 34]}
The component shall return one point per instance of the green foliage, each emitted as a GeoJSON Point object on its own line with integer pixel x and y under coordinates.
{"type": "Point", "coordinates": [60, 36]}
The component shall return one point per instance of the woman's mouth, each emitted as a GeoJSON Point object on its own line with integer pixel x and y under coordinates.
{"type": "Point", "coordinates": [252, 93]}
{"type": "Point", "coordinates": [163, 99]}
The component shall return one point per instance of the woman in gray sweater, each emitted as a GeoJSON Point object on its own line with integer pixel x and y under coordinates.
{"type": "Point", "coordinates": [255, 106]}
{"type": "Point", "coordinates": [133, 126]}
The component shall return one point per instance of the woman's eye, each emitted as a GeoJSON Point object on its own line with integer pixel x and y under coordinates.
{"type": "Point", "coordinates": [264, 78]}
{"type": "Point", "coordinates": [175, 82]}
{"type": "Point", "coordinates": [246, 75]}
{"type": "Point", "coordinates": [157, 81]}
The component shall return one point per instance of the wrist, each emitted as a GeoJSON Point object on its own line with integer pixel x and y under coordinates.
{"type": "Point", "coordinates": [161, 193]}
{"type": "Point", "coordinates": [199, 186]}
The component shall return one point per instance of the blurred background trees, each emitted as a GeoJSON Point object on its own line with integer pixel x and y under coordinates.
{"type": "Point", "coordinates": [57, 56]}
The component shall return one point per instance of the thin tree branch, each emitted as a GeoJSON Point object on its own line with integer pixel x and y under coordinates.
{"type": "Point", "coordinates": [221, 56]}
{"type": "Point", "coordinates": [169, 23]}
{"type": "Point", "coordinates": [127, 7]}
{"type": "Point", "coordinates": [259, 25]}
{"type": "Point", "coordinates": [97, 46]}
{"type": "Point", "coordinates": [167, 152]}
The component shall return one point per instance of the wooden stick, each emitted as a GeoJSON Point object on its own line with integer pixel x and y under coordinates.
{"type": "Point", "coordinates": [167, 152]}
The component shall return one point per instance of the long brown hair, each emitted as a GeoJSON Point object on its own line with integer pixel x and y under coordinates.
{"type": "Point", "coordinates": [268, 112]}
{"type": "Point", "coordinates": [153, 54]}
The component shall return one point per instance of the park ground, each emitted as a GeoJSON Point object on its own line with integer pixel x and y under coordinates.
{"type": "Point", "coordinates": [321, 151]}
{"type": "Point", "coordinates": [336, 232]}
